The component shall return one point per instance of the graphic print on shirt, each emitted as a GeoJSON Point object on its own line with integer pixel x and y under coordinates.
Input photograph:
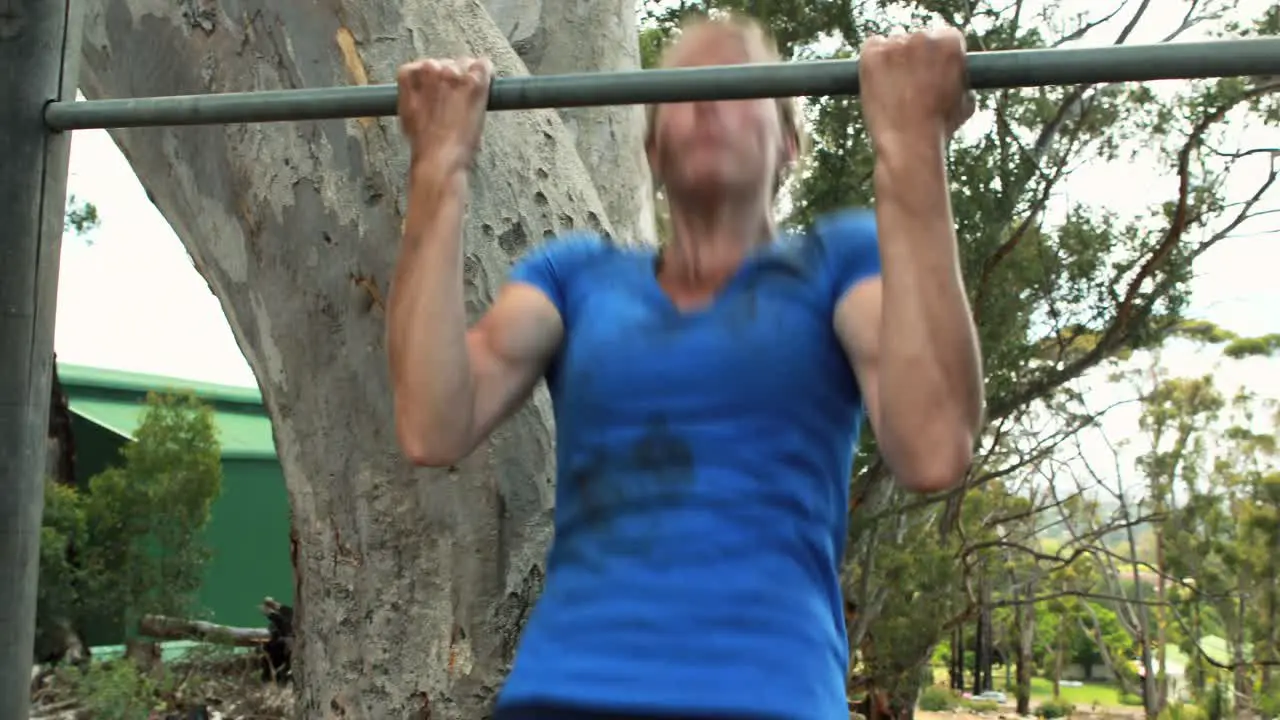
{"type": "Point", "coordinates": [656, 470]}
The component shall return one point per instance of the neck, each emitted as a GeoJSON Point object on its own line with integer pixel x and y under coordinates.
{"type": "Point", "coordinates": [709, 241]}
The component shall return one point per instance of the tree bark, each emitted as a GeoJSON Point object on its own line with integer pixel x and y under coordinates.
{"type": "Point", "coordinates": [1197, 663]}
{"type": "Point", "coordinates": [1026, 623]}
{"type": "Point", "coordinates": [412, 586]}
{"type": "Point", "coordinates": [1162, 621]}
{"type": "Point", "coordinates": [988, 639]}
{"type": "Point", "coordinates": [957, 657]}
{"type": "Point", "coordinates": [1242, 683]}
{"type": "Point", "coordinates": [1059, 655]}
{"type": "Point", "coordinates": [597, 36]}
{"type": "Point", "coordinates": [60, 457]}
{"type": "Point", "coordinates": [983, 640]}
{"type": "Point", "coordinates": [1270, 628]}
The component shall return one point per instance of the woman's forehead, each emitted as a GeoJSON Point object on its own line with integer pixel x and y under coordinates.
{"type": "Point", "coordinates": [714, 43]}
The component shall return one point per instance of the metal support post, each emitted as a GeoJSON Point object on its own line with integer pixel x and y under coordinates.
{"type": "Point", "coordinates": [39, 60]}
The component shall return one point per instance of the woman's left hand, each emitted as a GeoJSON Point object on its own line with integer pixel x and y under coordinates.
{"type": "Point", "coordinates": [915, 83]}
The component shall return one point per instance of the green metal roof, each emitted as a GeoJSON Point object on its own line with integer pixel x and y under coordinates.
{"type": "Point", "coordinates": [114, 400]}
{"type": "Point", "coordinates": [106, 379]}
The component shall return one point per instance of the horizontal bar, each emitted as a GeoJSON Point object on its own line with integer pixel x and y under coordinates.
{"type": "Point", "coordinates": [995, 69]}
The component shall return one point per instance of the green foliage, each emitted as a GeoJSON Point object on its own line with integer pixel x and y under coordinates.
{"type": "Point", "coordinates": [1050, 709]}
{"type": "Point", "coordinates": [64, 528]}
{"type": "Point", "coordinates": [982, 706]}
{"type": "Point", "coordinates": [1205, 332]}
{"type": "Point", "coordinates": [652, 41]}
{"type": "Point", "coordinates": [137, 529]}
{"type": "Point", "coordinates": [80, 217]}
{"type": "Point", "coordinates": [1267, 703]}
{"type": "Point", "coordinates": [1217, 702]}
{"type": "Point", "coordinates": [117, 690]}
{"type": "Point", "coordinates": [1182, 711]}
{"type": "Point", "coordinates": [936, 698]}
{"type": "Point", "coordinates": [1131, 700]}
{"type": "Point", "coordinates": [1264, 346]}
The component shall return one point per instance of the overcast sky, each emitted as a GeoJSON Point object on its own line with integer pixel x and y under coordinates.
{"type": "Point", "coordinates": [131, 299]}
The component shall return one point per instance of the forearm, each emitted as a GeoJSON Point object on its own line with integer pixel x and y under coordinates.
{"type": "Point", "coordinates": [930, 382]}
{"type": "Point", "coordinates": [426, 323]}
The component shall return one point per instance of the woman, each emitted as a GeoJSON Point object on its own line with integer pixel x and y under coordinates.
{"type": "Point", "coordinates": [708, 396]}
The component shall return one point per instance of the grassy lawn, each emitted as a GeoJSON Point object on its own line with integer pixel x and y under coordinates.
{"type": "Point", "coordinates": [1083, 696]}
{"type": "Point", "coordinates": [1086, 695]}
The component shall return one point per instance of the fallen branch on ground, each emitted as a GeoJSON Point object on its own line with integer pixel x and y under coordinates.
{"type": "Point", "coordinates": [66, 710]}
{"type": "Point", "coordinates": [169, 628]}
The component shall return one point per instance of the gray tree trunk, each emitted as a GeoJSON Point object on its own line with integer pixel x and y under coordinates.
{"type": "Point", "coordinates": [554, 37]}
{"type": "Point", "coordinates": [412, 586]}
{"type": "Point", "coordinates": [1026, 624]}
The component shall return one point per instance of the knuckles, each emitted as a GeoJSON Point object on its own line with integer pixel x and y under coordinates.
{"type": "Point", "coordinates": [946, 44]}
{"type": "Point", "coordinates": [436, 72]}
{"type": "Point", "coordinates": [931, 62]}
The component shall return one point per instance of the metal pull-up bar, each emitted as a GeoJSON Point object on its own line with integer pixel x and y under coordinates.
{"type": "Point", "coordinates": [997, 69]}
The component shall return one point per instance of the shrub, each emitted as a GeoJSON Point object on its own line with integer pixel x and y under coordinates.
{"type": "Point", "coordinates": [982, 706]}
{"type": "Point", "coordinates": [132, 542]}
{"type": "Point", "coordinates": [64, 530]}
{"type": "Point", "coordinates": [116, 690]}
{"type": "Point", "coordinates": [1050, 709]}
{"type": "Point", "coordinates": [936, 698]}
{"type": "Point", "coordinates": [1268, 704]}
{"type": "Point", "coordinates": [1131, 699]}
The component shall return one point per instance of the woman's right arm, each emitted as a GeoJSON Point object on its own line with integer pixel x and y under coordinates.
{"type": "Point", "coordinates": [453, 385]}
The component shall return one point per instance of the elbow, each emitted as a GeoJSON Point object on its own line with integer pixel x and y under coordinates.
{"type": "Point", "coordinates": [422, 454]}
{"type": "Point", "coordinates": [936, 466]}
{"type": "Point", "coordinates": [424, 445]}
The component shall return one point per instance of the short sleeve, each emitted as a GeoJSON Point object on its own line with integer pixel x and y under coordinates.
{"type": "Point", "coordinates": [552, 265]}
{"type": "Point", "coordinates": [852, 248]}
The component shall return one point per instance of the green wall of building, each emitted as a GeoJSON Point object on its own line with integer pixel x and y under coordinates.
{"type": "Point", "coordinates": [249, 524]}
{"type": "Point", "coordinates": [249, 532]}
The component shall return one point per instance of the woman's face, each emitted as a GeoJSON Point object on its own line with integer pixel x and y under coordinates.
{"type": "Point", "coordinates": [716, 149]}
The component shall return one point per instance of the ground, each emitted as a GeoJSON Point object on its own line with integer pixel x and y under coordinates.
{"type": "Point", "coordinates": [1092, 700]}
{"type": "Point", "coordinates": [227, 684]}
{"type": "Point", "coordinates": [1087, 695]}
{"type": "Point", "coordinates": [1123, 713]}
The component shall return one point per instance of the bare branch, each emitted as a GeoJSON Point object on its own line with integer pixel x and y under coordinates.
{"type": "Point", "coordinates": [1128, 308]}
{"type": "Point", "coordinates": [1075, 594]}
{"type": "Point", "coordinates": [1088, 27]}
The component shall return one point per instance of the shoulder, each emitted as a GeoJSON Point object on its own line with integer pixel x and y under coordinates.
{"type": "Point", "coordinates": [567, 250]}
{"type": "Point", "coordinates": [850, 247]}
{"type": "Point", "coordinates": [848, 232]}
{"type": "Point", "coordinates": [553, 265]}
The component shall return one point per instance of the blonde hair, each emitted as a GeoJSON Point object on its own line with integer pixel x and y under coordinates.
{"type": "Point", "coordinates": [761, 48]}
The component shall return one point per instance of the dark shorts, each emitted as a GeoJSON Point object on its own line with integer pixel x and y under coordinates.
{"type": "Point", "coordinates": [559, 712]}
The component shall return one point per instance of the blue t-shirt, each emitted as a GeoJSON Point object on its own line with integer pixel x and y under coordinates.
{"type": "Point", "coordinates": [703, 477]}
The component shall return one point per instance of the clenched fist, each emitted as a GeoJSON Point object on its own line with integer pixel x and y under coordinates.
{"type": "Point", "coordinates": [441, 107]}
{"type": "Point", "coordinates": [915, 85]}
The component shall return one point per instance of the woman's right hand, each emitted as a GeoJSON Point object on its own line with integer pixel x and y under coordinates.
{"type": "Point", "coordinates": [441, 107]}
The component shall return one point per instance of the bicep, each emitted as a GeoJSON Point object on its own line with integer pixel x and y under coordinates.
{"type": "Point", "coordinates": [857, 324]}
{"type": "Point", "coordinates": [510, 349]}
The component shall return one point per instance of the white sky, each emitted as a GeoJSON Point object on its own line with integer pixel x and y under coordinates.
{"type": "Point", "coordinates": [131, 300]}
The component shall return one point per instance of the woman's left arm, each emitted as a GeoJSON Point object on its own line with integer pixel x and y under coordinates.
{"type": "Point", "coordinates": [909, 332]}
